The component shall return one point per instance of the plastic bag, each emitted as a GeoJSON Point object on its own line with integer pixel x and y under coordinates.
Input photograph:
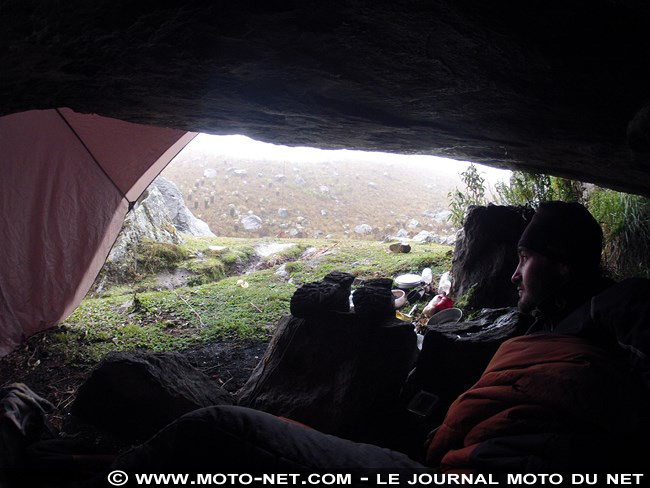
{"type": "Point", "coordinates": [437, 303]}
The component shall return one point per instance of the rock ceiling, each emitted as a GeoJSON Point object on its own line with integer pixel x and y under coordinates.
{"type": "Point", "coordinates": [548, 86]}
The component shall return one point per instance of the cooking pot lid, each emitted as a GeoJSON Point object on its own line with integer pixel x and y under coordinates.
{"type": "Point", "coordinates": [408, 280]}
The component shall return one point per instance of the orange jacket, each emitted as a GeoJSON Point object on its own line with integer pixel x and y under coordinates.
{"type": "Point", "coordinates": [546, 403]}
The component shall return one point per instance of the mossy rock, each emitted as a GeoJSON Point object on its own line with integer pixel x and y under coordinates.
{"type": "Point", "coordinates": [157, 256]}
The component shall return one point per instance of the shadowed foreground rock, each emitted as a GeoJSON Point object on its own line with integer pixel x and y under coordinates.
{"type": "Point", "coordinates": [338, 372]}
{"type": "Point", "coordinates": [454, 355]}
{"type": "Point", "coordinates": [486, 256]}
{"type": "Point", "coordinates": [136, 394]}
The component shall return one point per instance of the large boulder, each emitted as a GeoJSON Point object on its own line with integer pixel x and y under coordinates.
{"type": "Point", "coordinates": [338, 372]}
{"type": "Point", "coordinates": [363, 229]}
{"type": "Point", "coordinates": [135, 394]}
{"type": "Point", "coordinates": [485, 255]}
{"type": "Point", "coordinates": [426, 236]}
{"type": "Point", "coordinates": [159, 215]}
{"type": "Point", "coordinates": [251, 223]}
{"type": "Point", "coordinates": [442, 216]}
{"type": "Point", "coordinates": [184, 221]}
{"type": "Point", "coordinates": [148, 221]}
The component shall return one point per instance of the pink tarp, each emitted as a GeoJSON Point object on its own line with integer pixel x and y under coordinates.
{"type": "Point", "coordinates": [66, 181]}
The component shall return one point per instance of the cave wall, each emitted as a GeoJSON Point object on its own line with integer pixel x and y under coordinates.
{"type": "Point", "coordinates": [546, 86]}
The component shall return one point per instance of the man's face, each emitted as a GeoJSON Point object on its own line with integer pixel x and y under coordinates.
{"type": "Point", "coordinates": [537, 278]}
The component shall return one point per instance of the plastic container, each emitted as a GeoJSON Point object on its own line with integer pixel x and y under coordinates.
{"type": "Point", "coordinates": [444, 286]}
{"type": "Point", "coordinates": [400, 297]}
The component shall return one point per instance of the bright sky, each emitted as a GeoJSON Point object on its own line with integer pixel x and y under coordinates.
{"type": "Point", "coordinates": [244, 147]}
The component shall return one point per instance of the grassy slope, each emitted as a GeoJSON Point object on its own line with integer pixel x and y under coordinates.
{"type": "Point", "coordinates": [125, 317]}
{"type": "Point", "coordinates": [384, 195]}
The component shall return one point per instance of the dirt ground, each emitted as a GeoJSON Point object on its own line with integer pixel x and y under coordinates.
{"type": "Point", "coordinates": [229, 362]}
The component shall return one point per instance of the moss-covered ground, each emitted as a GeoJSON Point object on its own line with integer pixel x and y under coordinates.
{"type": "Point", "coordinates": [231, 292]}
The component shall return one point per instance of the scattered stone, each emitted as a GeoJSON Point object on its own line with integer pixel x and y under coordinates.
{"type": "Point", "coordinates": [218, 248]}
{"type": "Point", "coordinates": [309, 253]}
{"type": "Point", "coordinates": [241, 172]}
{"type": "Point", "coordinates": [251, 223]}
{"type": "Point", "coordinates": [299, 180]}
{"type": "Point", "coordinates": [402, 234]}
{"type": "Point", "coordinates": [210, 173]}
{"type": "Point", "coordinates": [282, 271]}
{"type": "Point", "coordinates": [372, 185]}
{"type": "Point", "coordinates": [324, 189]}
{"type": "Point", "coordinates": [323, 212]}
{"type": "Point", "coordinates": [279, 177]}
{"type": "Point", "coordinates": [426, 236]}
{"type": "Point", "coordinates": [413, 224]}
{"type": "Point", "coordinates": [400, 247]}
{"type": "Point", "coordinates": [449, 240]}
{"type": "Point", "coordinates": [266, 250]}
{"type": "Point", "coordinates": [283, 213]}
{"type": "Point", "coordinates": [363, 229]}
{"type": "Point", "coordinates": [442, 216]}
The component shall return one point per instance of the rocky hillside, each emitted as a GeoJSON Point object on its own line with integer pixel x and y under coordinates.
{"type": "Point", "coordinates": [240, 197]}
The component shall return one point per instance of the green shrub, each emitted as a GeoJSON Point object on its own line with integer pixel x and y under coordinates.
{"type": "Point", "coordinates": [568, 190]}
{"type": "Point", "coordinates": [625, 220]}
{"type": "Point", "coordinates": [293, 267]}
{"type": "Point", "coordinates": [474, 194]}
{"type": "Point", "coordinates": [530, 189]}
{"type": "Point", "coordinates": [608, 209]}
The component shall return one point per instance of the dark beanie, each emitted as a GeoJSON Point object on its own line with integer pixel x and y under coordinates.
{"type": "Point", "coordinates": [566, 232]}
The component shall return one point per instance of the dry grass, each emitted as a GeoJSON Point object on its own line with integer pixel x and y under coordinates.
{"type": "Point", "coordinates": [385, 196]}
